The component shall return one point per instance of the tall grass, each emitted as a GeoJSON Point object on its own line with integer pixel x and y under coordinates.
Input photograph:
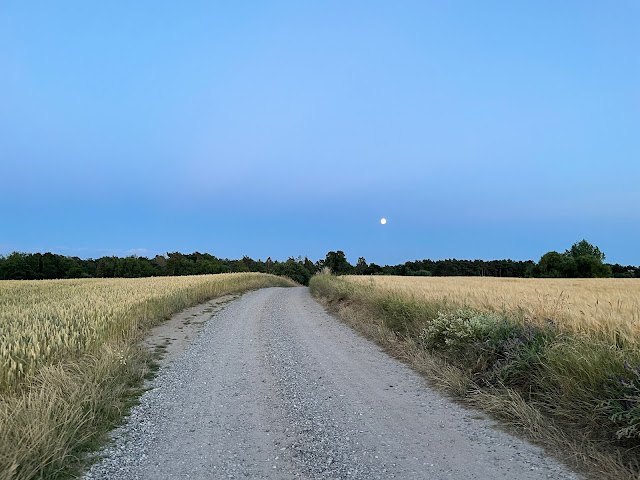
{"type": "Point", "coordinates": [69, 364]}
{"type": "Point", "coordinates": [607, 309]}
{"type": "Point", "coordinates": [525, 350]}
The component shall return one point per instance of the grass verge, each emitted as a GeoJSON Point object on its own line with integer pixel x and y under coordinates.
{"type": "Point", "coordinates": [571, 393]}
{"type": "Point", "coordinates": [64, 409]}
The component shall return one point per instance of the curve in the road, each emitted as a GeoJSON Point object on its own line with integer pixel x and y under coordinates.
{"type": "Point", "coordinates": [274, 387]}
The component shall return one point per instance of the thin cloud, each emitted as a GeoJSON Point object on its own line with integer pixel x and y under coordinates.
{"type": "Point", "coordinates": [140, 252]}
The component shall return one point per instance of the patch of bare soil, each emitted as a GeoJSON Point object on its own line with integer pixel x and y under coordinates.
{"type": "Point", "coordinates": [173, 336]}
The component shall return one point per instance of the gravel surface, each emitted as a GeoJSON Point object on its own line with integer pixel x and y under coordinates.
{"type": "Point", "coordinates": [273, 387]}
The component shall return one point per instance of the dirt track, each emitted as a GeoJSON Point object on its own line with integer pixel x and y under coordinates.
{"type": "Point", "coordinates": [273, 387]}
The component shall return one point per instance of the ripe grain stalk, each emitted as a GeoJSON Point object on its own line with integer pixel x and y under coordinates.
{"type": "Point", "coordinates": [70, 364]}
{"type": "Point", "coordinates": [557, 359]}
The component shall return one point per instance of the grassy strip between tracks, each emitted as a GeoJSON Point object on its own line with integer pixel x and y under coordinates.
{"type": "Point", "coordinates": [571, 392]}
{"type": "Point", "coordinates": [71, 366]}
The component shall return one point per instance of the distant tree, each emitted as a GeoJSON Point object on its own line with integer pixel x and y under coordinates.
{"type": "Point", "coordinates": [259, 266]}
{"type": "Point", "coordinates": [209, 266]}
{"type": "Point", "coordinates": [554, 264]}
{"type": "Point", "coordinates": [34, 262]}
{"type": "Point", "coordinates": [337, 263]}
{"type": "Point", "coordinates": [106, 267]}
{"type": "Point", "coordinates": [589, 266]}
{"type": "Point", "coordinates": [588, 260]}
{"type": "Point", "coordinates": [15, 267]}
{"type": "Point", "coordinates": [389, 270]}
{"type": "Point", "coordinates": [619, 271]}
{"type": "Point", "coordinates": [179, 264]}
{"type": "Point", "coordinates": [374, 269]}
{"type": "Point", "coordinates": [160, 262]}
{"type": "Point", "coordinates": [421, 273]}
{"type": "Point", "coordinates": [583, 260]}
{"type": "Point", "coordinates": [292, 269]}
{"type": "Point", "coordinates": [74, 271]}
{"type": "Point", "coordinates": [128, 268]}
{"type": "Point", "coordinates": [240, 266]}
{"type": "Point", "coordinates": [582, 248]}
{"type": "Point", "coordinates": [50, 266]}
{"type": "Point", "coordinates": [254, 266]}
{"type": "Point", "coordinates": [361, 267]}
{"type": "Point", "coordinates": [310, 266]}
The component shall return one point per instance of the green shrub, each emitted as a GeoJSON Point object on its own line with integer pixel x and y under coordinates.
{"type": "Point", "coordinates": [460, 329]}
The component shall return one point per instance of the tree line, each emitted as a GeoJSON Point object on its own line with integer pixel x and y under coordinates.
{"type": "Point", "coordinates": [337, 263]}
{"type": "Point", "coordinates": [582, 260]}
{"type": "Point", "coordinates": [42, 266]}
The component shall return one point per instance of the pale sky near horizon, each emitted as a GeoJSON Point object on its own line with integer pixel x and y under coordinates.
{"type": "Point", "coordinates": [477, 129]}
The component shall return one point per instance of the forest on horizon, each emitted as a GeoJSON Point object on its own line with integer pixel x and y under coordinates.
{"type": "Point", "coordinates": [582, 260]}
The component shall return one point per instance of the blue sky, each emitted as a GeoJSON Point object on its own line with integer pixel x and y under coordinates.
{"type": "Point", "coordinates": [478, 129]}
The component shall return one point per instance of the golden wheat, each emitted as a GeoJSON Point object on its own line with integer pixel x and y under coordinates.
{"type": "Point", "coordinates": [604, 307]}
{"type": "Point", "coordinates": [44, 321]}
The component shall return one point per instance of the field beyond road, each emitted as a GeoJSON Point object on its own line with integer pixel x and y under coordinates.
{"type": "Point", "coordinates": [559, 359]}
{"type": "Point", "coordinates": [276, 388]}
{"type": "Point", "coordinates": [607, 308]}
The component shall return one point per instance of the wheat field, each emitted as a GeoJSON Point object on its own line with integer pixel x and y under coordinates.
{"type": "Point", "coordinates": [47, 320]}
{"type": "Point", "coordinates": [70, 362]}
{"type": "Point", "coordinates": [601, 307]}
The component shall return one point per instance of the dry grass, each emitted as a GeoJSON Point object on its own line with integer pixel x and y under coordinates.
{"type": "Point", "coordinates": [69, 363]}
{"type": "Point", "coordinates": [557, 369]}
{"type": "Point", "coordinates": [48, 320]}
{"type": "Point", "coordinates": [605, 308]}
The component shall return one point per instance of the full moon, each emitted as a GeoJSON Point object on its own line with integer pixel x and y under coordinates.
{"type": "Point", "coordinates": [383, 221]}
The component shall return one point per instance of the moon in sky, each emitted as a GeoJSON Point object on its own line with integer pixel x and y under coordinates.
{"type": "Point", "coordinates": [383, 221]}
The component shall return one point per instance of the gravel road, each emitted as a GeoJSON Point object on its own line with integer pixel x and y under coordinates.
{"type": "Point", "coordinates": [273, 387]}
